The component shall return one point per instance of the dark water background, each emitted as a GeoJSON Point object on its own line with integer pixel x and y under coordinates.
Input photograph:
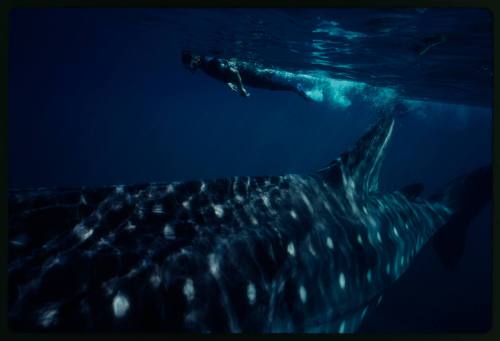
{"type": "Point", "coordinates": [99, 97]}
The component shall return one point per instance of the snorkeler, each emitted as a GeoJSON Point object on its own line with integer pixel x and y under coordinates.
{"type": "Point", "coordinates": [236, 74]}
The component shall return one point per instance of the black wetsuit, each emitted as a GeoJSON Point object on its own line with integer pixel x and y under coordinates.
{"type": "Point", "coordinates": [262, 78]}
{"type": "Point", "coordinates": [218, 68]}
{"type": "Point", "coordinates": [244, 73]}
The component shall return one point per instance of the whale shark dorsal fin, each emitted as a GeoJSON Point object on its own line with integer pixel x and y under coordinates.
{"type": "Point", "coordinates": [361, 165]}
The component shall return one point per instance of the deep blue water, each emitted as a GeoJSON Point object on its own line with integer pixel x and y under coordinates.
{"type": "Point", "coordinates": [99, 97]}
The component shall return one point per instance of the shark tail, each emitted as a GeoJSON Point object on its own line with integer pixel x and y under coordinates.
{"type": "Point", "coordinates": [466, 196]}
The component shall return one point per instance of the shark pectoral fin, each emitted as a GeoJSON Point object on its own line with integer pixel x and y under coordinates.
{"type": "Point", "coordinates": [412, 191]}
{"type": "Point", "coordinates": [361, 165]}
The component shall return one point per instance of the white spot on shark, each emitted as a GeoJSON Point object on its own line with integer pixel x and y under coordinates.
{"type": "Point", "coordinates": [186, 204]}
{"type": "Point", "coordinates": [130, 226]}
{"type": "Point", "coordinates": [395, 232]}
{"type": "Point", "coordinates": [218, 210]}
{"type": "Point", "coordinates": [140, 212]}
{"type": "Point", "coordinates": [48, 317]}
{"type": "Point", "coordinates": [120, 305]}
{"type": "Point", "coordinates": [329, 243]}
{"type": "Point", "coordinates": [372, 222]}
{"type": "Point", "coordinates": [303, 294]}
{"type": "Point", "coordinates": [17, 242]}
{"type": "Point", "coordinates": [307, 202]}
{"type": "Point", "coordinates": [82, 231]}
{"type": "Point", "coordinates": [238, 198]}
{"type": "Point", "coordinates": [379, 237]}
{"type": "Point", "coordinates": [191, 317]}
{"type": "Point", "coordinates": [369, 275]}
{"type": "Point", "coordinates": [266, 201]}
{"type": "Point", "coordinates": [188, 289]}
{"type": "Point", "coordinates": [51, 262]}
{"type": "Point", "coordinates": [116, 206]}
{"type": "Point", "coordinates": [311, 249]}
{"type": "Point", "coordinates": [342, 327]}
{"type": "Point", "coordinates": [319, 226]}
{"type": "Point", "coordinates": [363, 313]}
{"type": "Point", "coordinates": [155, 280]}
{"type": "Point", "coordinates": [158, 209]}
{"type": "Point", "coordinates": [83, 200]}
{"type": "Point", "coordinates": [293, 214]}
{"type": "Point", "coordinates": [342, 280]}
{"type": "Point", "coordinates": [251, 293]}
{"type": "Point", "coordinates": [359, 239]}
{"type": "Point", "coordinates": [213, 264]}
{"type": "Point", "coordinates": [168, 232]}
{"type": "Point", "coordinates": [291, 249]}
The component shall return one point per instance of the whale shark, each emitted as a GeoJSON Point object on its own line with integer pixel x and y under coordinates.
{"type": "Point", "coordinates": [309, 253]}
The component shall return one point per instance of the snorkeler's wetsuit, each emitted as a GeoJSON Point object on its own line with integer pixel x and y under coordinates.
{"type": "Point", "coordinates": [264, 78]}
{"type": "Point", "coordinates": [245, 73]}
{"type": "Point", "coordinates": [218, 68]}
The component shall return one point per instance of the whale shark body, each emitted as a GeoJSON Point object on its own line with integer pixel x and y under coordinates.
{"type": "Point", "coordinates": [291, 253]}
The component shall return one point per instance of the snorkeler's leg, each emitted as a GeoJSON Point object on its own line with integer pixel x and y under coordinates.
{"type": "Point", "coordinates": [233, 87]}
{"type": "Point", "coordinates": [239, 83]}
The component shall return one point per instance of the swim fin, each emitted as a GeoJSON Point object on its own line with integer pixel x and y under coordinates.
{"type": "Point", "coordinates": [233, 87]}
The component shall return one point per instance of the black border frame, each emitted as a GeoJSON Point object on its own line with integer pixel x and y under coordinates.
{"type": "Point", "coordinates": [7, 5]}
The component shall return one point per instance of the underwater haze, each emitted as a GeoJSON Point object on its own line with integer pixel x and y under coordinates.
{"type": "Point", "coordinates": [100, 97]}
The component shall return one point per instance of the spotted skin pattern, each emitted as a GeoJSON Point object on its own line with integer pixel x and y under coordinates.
{"type": "Point", "coordinates": [291, 253]}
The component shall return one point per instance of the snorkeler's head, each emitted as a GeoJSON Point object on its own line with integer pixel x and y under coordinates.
{"type": "Point", "coordinates": [190, 60]}
{"type": "Point", "coordinates": [186, 57]}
